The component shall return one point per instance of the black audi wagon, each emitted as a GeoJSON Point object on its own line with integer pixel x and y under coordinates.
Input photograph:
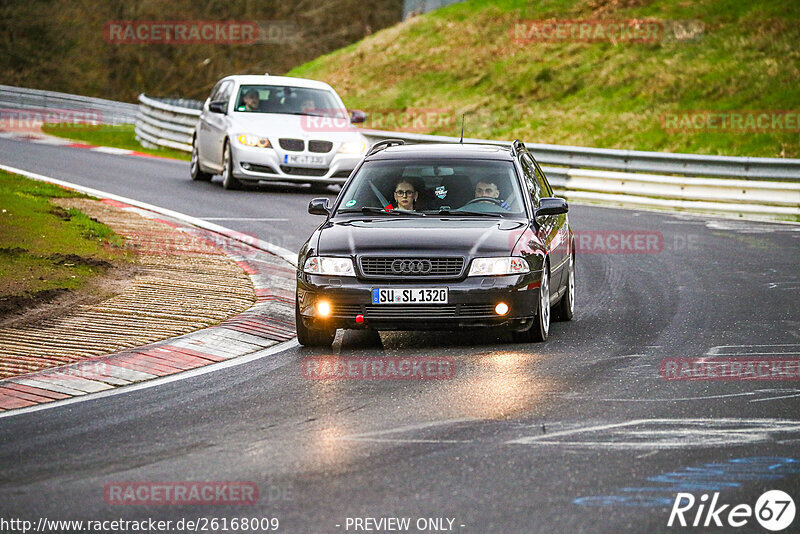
{"type": "Point", "coordinates": [438, 236]}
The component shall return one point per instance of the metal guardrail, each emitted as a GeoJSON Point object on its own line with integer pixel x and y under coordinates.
{"type": "Point", "coordinates": [107, 111]}
{"type": "Point", "coordinates": [632, 160]}
{"type": "Point", "coordinates": [166, 122]}
{"type": "Point", "coordinates": [762, 187]}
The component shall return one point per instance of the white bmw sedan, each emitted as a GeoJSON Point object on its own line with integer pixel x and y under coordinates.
{"type": "Point", "coordinates": [276, 128]}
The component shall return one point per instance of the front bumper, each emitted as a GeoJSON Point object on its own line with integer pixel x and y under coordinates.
{"type": "Point", "coordinates": [471, 303]}
{"type": "Point", "coordinates": [256, 164]}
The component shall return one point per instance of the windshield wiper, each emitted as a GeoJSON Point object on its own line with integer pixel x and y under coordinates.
{"type": "Point", "coordinates": [371, 209]}
{"type": "Point", "coordinates": [306, 114]}
{"type": "Point", "coordinates": [477, 213]}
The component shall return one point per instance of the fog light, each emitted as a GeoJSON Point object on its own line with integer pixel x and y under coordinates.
{"type": "Point", "coordinates": [246, 166]}
{"type": "Point", "coordinates": [359, 318]}
{"type": "Point", "coordinates": [501, 308]}
{"type": "Point", "coordinates": [323, 308]}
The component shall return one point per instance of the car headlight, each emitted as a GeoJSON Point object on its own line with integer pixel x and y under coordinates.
{"type": "Point", "coordinates": [352, 147]}
{"type": "Point", "coordinates": [253, 140]}
{"type": "Point", "coordinates": [329, 266]}
{"type": "Point", "coordinates": [498, 266]}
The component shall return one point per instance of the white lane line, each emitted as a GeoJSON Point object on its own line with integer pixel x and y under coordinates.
{"type": "Point", "coordinates": [401, 440]}
{"type": "Point", "coordinates": [776, 398]}
{"type": "Point", "coordinates": [550, 435]}
{"type": "Point", "coordinates": [703, 397]}
{"type": "Point", "coordinates": [409, 428]}
{"type": "Point", "coordinates": [287, 255]}
{"type": "Point", "coordinates": [669, 433]}
{"type": "Point", "coordinates": [277, 219]}
{"type": "Point", "coordinates": [781, 348]}
{"type": "Point", "coordinates": [373, 435]}
{"type": "Point", "coordinates": [113, 150]}
{"type": "Point", "coordinates": [276, 364]}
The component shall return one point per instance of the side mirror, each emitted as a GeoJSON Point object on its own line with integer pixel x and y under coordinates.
{"type": "Point", "coordinates": [357, 116]}
{"type": "Point", "coordinates": [552, 206]}
{"type": "Point", "coordinates": [319, 206]}
{"type": "Point", "coordinates": [217, 107]}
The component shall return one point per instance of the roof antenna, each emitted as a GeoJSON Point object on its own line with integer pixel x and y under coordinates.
{"type": "Point", "coordinates": [463, 115]}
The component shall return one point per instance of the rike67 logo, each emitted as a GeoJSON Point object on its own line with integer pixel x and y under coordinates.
{"type": "Point", "coordinates": [774, 510]}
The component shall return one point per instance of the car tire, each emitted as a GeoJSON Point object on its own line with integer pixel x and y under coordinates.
{"type": "Point", "coordinates": [565, 308]}
{"type": "Point", "coordinates": [312, 337]}
{"type": "Point", "coordinates": [540, 328]}
{"type": "Point", "coordinates": [228, 181]}
{"type": "Point", "coordinates": [197, 174]}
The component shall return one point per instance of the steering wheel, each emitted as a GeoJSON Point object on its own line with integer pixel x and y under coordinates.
{"type": "Point", "coordinates": [495, 201]}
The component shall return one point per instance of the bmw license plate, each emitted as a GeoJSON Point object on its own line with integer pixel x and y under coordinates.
{"type": "Point", "coordinates": [417, 295]}
{"type": "Point", "coordinates": [312, 161]}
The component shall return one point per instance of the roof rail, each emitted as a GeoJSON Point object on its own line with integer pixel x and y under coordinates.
{"type": "Point", "coordinates": [517, 146]}
{"type": "Point", "coordinates": [386, 143]}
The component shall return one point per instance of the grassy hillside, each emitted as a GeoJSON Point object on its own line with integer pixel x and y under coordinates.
{"type": "Point", "coordinates": [603, 94]}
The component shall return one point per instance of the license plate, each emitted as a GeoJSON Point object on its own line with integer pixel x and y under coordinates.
{"type": "Point", "coordinates": [300, 159]}
{"type": "Point", "coordinates": [417, 295]}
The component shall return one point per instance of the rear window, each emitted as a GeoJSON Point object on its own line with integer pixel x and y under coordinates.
{"type": "Point", "coordinates": [457, 186]}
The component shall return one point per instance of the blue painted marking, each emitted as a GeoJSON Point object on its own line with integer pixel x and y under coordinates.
{"type": "Point", "coordinates": [708, 477]}
{"type": "Point", "coordinates": [375, 296]}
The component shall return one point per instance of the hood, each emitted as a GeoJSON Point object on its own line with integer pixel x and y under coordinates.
{"type": "Point", "coordinates": [295, 126]}
{"type": "Point", "coordinates": [425, 236]}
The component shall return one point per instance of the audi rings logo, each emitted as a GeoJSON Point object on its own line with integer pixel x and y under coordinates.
{"type": "Point", "coordinates": [411, 266]}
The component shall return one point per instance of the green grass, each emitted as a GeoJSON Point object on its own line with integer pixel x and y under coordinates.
{"type": "Point", "coordinates": [44, 247]}
{"type": "Point", "coordinates": [117, 136]}
{"type": "Point", "coordinates": [461, 58]}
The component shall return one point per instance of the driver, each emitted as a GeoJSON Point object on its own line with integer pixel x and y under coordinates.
{"type": "Point", "coordinates": [252, 100]}
{"type": "Point", "coordinates": [489, 189]}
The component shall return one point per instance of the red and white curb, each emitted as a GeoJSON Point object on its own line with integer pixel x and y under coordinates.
{"type": "Point", "coordinates": [45, 139]}
{"type": "Point", "coordinates": [264, 329]}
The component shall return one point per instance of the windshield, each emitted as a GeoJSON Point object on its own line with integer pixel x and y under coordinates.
{"type": "Point", "coordinates": [288, 100]}
{"type": "Point", "coordinates": [456, 187]}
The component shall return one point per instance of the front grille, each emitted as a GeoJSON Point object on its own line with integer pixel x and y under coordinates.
{"type": "Point", "coordinates": [414, 311]}
{"type": "Point", "coordinates": [346, 310]}
{"type": "Point", "coordinates": [409, 312]}
{"type": "Point", "coordinates": [381, 267]}
{"type": "Point", "coordinates": [295, 145]}
{"type": "Point", "coordinates": [260, 168]}
{"type": "Point", "coordinates": [477, 310]}
{"type": "Point", "coordinates": [303, 171]}
{"type": "Point", "coordinates": [320, 146]}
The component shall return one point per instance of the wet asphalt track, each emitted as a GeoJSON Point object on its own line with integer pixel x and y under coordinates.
{"type": "Point", "coordinates": [577, 435]}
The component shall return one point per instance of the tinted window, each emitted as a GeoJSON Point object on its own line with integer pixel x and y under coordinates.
{"type": "Point", "coordinates": [225, 92]}
{"type": "Point", "coordinates": [453, 185]}
{"type": "Point", "coordinates": [215, 92]}
{"type": "Point", "coordinates": [529, 172]}
{"type": "Point", "coordinates": [542, 181]}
